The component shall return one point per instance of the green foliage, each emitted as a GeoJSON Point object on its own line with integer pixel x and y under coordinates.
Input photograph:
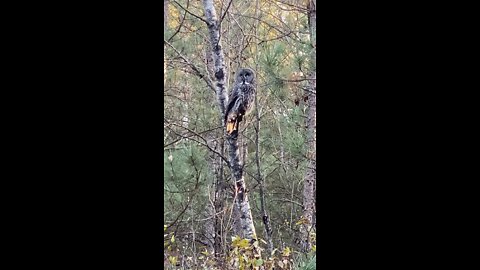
{"type": "Point", "coordinates": [273, 61]}
{"type": "Point", "coordinates": [309, 263]}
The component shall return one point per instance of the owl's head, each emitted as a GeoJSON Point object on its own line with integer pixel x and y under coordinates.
{"type": "Point", "coordinates": [245, 75]}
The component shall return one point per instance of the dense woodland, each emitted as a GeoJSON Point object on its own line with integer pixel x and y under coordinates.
{"type": "Point", "coordinates": [271, 224]}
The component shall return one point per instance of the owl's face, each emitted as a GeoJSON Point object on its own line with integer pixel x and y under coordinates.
{"type": "Point", "coordinates": [246, 76]}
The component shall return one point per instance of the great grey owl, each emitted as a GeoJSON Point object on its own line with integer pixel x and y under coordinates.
{"type": "Point", "coordinates": [241, 99]}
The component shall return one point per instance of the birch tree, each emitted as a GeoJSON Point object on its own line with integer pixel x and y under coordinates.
{"type": "Point", "coordinates": [241, 198]}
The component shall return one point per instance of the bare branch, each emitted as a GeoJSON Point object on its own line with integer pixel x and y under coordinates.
{"type": "Point", "coordinates": [194, 15]}
{"type": "Point", "coordinates": [187, 137]}
{"type": "Point", "coordinates": [197, 71]}
{"type": "Point", "coordinates": [204, 143]}
{"type": "Point", "coordinates": [287, 200]}
{"type": "Point", "coordinates": [181, 23]}
{"type": "Point", "coordinates": [225, 13]}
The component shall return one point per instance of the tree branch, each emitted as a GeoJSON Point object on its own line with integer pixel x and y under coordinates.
{"type": "Point", "coordinates": [202, 143]}
{"type": "Point", "coordinates": [194, 68]}
{"type": "Point", "coordinates": [181, 23]}
{"type": "Point", "coordinates": [194, 15]}
{"type": "Point", "coordinates": [225, 13]}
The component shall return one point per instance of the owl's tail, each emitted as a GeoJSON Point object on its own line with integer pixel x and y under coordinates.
{"type": "Point", "coordinates": [230, 127]}
{"type": "Point", "coordinates": [232, 123]}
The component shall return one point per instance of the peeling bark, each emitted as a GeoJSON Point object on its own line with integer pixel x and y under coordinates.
{"type": "Point", "coordinates": [241, 198]}
{"type": "Point", "coordinates": [218, 56]}
{"type": "Point", "coordinates": [222, 99]}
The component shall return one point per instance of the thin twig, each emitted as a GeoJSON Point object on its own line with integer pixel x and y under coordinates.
{"type": "Point", "coordinates": [198, 73]}
{"type": "Point", "coordinates": [194, 15]}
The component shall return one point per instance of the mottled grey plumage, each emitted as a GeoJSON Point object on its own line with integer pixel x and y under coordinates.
{"type": "Point", "coordinates": [241, 99]}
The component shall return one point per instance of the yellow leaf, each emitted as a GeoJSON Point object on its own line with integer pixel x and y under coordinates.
{"type": "Point", "coordinates": [243, 243]}
{"type": "Point", "coordinates": [286, 252]}
{"type": "Point", "coordinates": [314, 247]}
{"type": "Point", "coordinates": [205, 252]}
{"type": "Point", "coordinates": [302, 221]}
{"type": "Point", "coordinates": [238, 242]}
{"type": "Point", "coordinates": [172, 239]}
{"type": "Point", "coordinates": [173, 260]}
{"type": "Point", "coordinates": [165, 227]}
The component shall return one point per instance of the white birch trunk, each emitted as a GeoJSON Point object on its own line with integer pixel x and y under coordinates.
{"type": "Point", "coordinates": [241, 201]}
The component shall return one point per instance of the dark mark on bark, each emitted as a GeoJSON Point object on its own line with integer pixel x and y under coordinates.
{"type": "Point", "coordinates": [219, 74]}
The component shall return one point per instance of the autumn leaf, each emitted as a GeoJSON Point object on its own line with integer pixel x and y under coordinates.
{"type": "Point", "coordinates": [238, 242]}
{"type": "Point", "coordinates": [172, 260]}
{"type": "Point", "coordinates": [286, 252]}
{"type": "Point", "coordinates": [302, 221]}
{"type": "Point", "coordinates": [243, 243]}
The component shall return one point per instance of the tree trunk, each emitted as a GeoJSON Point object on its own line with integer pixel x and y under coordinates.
{"type": "Point", "coordinates": [241, 198]}
{"type": "Point", "coordinates": [241, 201]}
{"type": "Point", "coordinates": [261, 181]}
{"type": "Point", "coordinates": [310, 174]}
{"type": "Point", "coordinates": [218, 56]}
{"type": "Point", "coordinates": [214, 211]}
{"type": "Point", "coordinates": [307, 225]}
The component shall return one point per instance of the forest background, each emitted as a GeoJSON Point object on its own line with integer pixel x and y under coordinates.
{"type": "Point", "coordinates": [277, 39]}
